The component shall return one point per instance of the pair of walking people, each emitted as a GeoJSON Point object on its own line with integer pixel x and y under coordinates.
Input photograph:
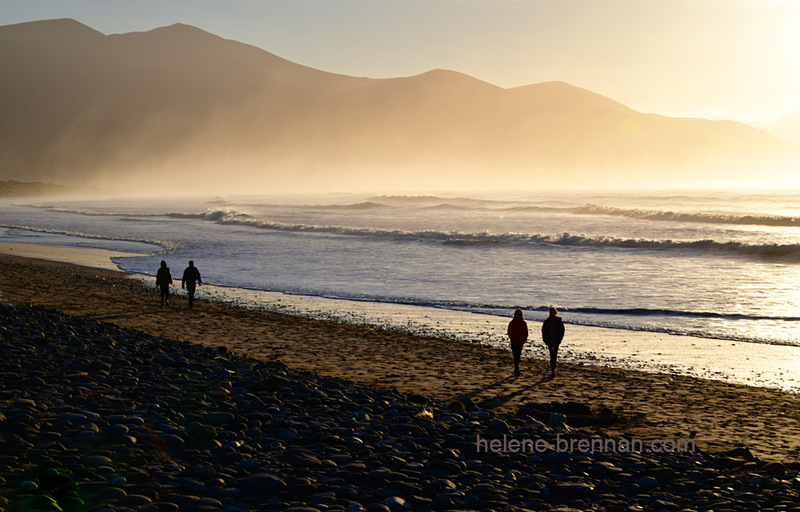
{"type": "Point", "coordinates": [191, 278]}
{"type": "Point", "coordinates": [552, 334]}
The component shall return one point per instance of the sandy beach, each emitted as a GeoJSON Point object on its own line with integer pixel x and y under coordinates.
{"type": "Point", "coordinates": [718, 416]}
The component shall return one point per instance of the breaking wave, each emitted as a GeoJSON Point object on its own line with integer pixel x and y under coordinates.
{"type": "Point", "coordinates": [153, 245]}
{"type": "Point", "coordinates": [705, 218]}
{"type": "Point", "coordinates": [428, 203]}
{"type": "Point", "coordinates": [789, 252]}
{"type": "Point", "coordinates": [504, 310]}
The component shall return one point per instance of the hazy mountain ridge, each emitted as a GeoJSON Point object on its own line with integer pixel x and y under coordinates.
{"type": "Point", "coordinates": [787, 127]}
{"type": "Point", "coordinates": [31, 189]}
{"type": "Point", "coordinates": [177, 101]}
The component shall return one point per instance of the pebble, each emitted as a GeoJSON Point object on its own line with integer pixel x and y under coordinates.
{"type": "Point", "coordinates": [93, 417]}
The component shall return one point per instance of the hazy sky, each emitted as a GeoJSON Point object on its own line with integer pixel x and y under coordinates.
{"type": "Point", "coordinates": [735, 59]}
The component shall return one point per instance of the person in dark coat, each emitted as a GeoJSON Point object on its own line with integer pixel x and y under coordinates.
{"type": "Point", "coordinates": [552, 334]}
{"type": "Point", "coordinates": [191, 278]}
{"type": "Point", "coordinates": [518, 334]}
{"type": "Point", "coordinates": [163, 280]}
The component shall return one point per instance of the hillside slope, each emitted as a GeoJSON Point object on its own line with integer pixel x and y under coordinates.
{"type": "Point", "coordinates": [193, 110]}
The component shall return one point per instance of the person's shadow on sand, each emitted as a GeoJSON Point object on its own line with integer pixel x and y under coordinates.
{"type": "Point", "coordinates": [111, 316]}
{"type": "Point", "coordinates": [500, 399]}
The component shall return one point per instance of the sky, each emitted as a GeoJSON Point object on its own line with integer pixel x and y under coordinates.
{"type": "Point", "coordinates": [716, 59]}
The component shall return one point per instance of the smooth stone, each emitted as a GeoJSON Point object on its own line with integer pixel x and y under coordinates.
{"type": "Point", "coordinates": [136, 500]}
{"type": "Point", "coordinates": [288, 434]}
{"type": "Point", "coordinates": [663, 474]}
{"type": "Point", "coordinates": [442, 502]}
{"type": "Point", "coordinates": [73, 417]}
{"type": "Point", "coordinates": [665, 506]}
{"type": "Point", "coordinates": [137, 475]}
{"type": "Point", "coordinates": [36, 382]}
{"type": "Point", "coordinates": [89, 429]}
{"type": "Point", "coordinates": [397, 504]}
{"type": "Point", "coordinates": [209, 502]}
{"type": "Point", "coordinates": [24, 402]}
{"type": "Point", "coordinates": [498, 425]}
{"type": "Point", "coordinates": [96, 461]}
{"type": "Point", "coordinates": [111, 493]}
{"type": "Point", "coordinates": [558, 457]}
{"type": "Point", "coordinates": [556, 420]}
{"type": "Point", "coordinates": [218, 418]}
{"type": "Point", "coordinates": [437, 472]}
{"type": "Point", "coordinates": [161, 506]}
{"type": "Point", "coordinates": [117, 429]}
{"type": "Point", "coordinates": [72, 504]}
{"type": "Point", "coordinates": [215, 483]}
{"type": "Point", "coordinates": [267, 483]}
{"type": "Point", "coordinates": [205, 472]}
{"type": "Point", "coordinates": [173, 440]}
{"type": "Point", "coordinates": [380, 474]}
{"type": "Point", "coordinates": [776, 469]}
{"type": "Point", "coordinates": [29, 486]}
{"type": "Point", "coordinates": [647, 482]}
{"type": "Point", "coordinates": [51, 473]}
{"type": "Point", "coordinates": [39, 503]}
{"type": "Point", "coordinates": [347, 492]}
{"type": "Point", "coordinates": [388, 493]}
{"type": "Point", "coordinates": [50, 437]}
{"type": "Point", "coordinates": [572, 488]}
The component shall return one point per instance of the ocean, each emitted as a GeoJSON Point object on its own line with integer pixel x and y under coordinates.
{"type": "Point", "coordinates": [713, 270]}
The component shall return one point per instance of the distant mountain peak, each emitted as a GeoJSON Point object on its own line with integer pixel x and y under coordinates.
{"type": "Point", "coordinates": [184, 29]}
{"type": "Point", "coordinates": [444, 79]}
{"type": "Point", "coordinates": [177, 32]}
{"type": "Point", "coordinates": [49, 28]}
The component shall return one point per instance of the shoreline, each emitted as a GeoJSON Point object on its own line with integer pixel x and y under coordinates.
{"type": "Point", "coordinates": [752, 364]}
{"type": "Point", "coordinates": [83, 256]}
{"type": "Point", "coordinates": [717, 415]}
{"type": "Point", "coordinates": [737, 362]}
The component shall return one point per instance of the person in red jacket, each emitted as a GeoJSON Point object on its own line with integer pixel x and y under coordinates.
{"type": "Point", "coordinates": [518, 334]}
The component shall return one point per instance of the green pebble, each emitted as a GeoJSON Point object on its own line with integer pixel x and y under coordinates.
{"type": "Point", "coordinates": [40, 502]}
{"type": "Point", "coordinates": [29, 486]}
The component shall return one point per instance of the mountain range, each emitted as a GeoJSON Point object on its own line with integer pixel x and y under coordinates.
{"type": "Point", "coordinates": [179, 109]}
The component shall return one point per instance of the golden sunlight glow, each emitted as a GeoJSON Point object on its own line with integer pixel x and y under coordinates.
{"type": "Point", "coordinates": [614, 93]}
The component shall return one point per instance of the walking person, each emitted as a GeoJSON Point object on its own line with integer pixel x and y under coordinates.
{"type": "Point", "coordinates": [518, 334]}
{"type": "Point", "coordinates": [552, 334]}
{"type": "Point", "coordinates": [163, 280]}
{"type": "Point", "coordinates": [191, 278]}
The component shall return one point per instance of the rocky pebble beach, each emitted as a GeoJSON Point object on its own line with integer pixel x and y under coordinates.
{"type": "Point", "coordinates": [99, 418]}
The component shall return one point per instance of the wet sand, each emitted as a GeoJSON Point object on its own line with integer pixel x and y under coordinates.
{"type": "Point", "coordinates": [718, 416]}
{"type": "Point", "coordinates": [84, 256]}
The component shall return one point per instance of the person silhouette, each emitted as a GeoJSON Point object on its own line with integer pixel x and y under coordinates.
{"type": "Point", "coordinates": [552, 334]}
{"type": "Point", "coordinates": [163, 280]}
{"type": "Point", "coordinates": [191, 278]}
{"type": "Point", "coordinates": [518, 334]}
